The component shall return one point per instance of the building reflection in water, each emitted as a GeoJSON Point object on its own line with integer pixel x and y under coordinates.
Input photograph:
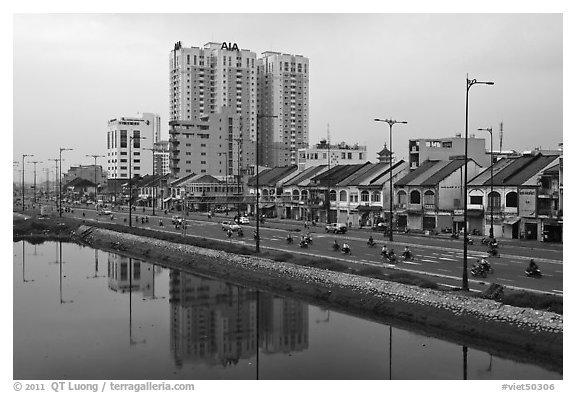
{"type": "Point", "coordinates": [127, 274]}
{"type": "Point", "coordinates": [214, 323]}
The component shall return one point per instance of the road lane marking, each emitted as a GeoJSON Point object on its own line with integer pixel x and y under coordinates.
{"type": "Point", "coordinates": [430, 260]}
{"type": "Point", "coordinates": [504, 279]}
{"type": "Point", "coordinates": [447, 259]}
{"type": "Point", "coordinates": [411, 263]}
{"type": "Point", "coordinates": [444, 270]}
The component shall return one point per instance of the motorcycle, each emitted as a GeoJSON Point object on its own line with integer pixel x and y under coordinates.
{"type": "Point", "coordinates": [533, 273]}
{"type": "Point", "coordinates": [303, 244]}
{"type": "Point", "coordinates": [308, 238]}
{"type": "Point", "coordinates": [392, 258]}
{"type": "Point", "coordinates": [289, 240]}
{"type": "Point", "coordinates": [371, 243]}
{"type": "Point", "coordinates": [336, 247]}
{"type": "Point", "coordinates": [469, 240]}
{"type": "Point", "coordinates": [493, 252]}
{"type": "Point", "coordinates": [408, 256]}
{"type": "Point", "coordinates": [478, 270]}
{"type": "Point", "coordinates": [240, 233]}
{"type": "Point", "coordinates": [455, 236]}
{"type": "Point", "coordinates": [346, 251]}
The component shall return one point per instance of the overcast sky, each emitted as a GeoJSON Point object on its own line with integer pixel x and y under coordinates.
{"type": "Point", "coordinates": [74, 72]}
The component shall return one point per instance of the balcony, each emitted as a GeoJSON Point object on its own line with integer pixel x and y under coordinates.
{"type": "Point", "coordinates": [429, 207]}
{"type": "Point", "coordinates": [414, 207]}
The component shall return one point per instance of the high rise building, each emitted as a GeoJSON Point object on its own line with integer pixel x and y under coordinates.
{"type": "Point", "coordinates": [142, 131]}
{"type": "Point", "coordinates": [282, 92]}
{"type": "Point", "coordinates": [161, 158]}
{"type": "Point", "coordinates": [219, 77]}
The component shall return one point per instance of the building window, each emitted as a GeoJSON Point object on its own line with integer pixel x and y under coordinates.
{"type": "Point", "coordinates": [429, 198]}
{"type": "Point", "coordinates": [364, 196]}
{"type": "Point", "coordinates": [343, 196]}
{"type": "Point", "coordinates": [332, 195]}
{"type": "Point", "coordinates": [494, 200]}
{"type": "Point", "coordinates": [376, 196]}
{"type": "Point", "coordinates": [402, 198]}
{"type": "Point", "coordinates": [512, 199]}
{"type": "Point", "coordinates": [415, 197]}
{"type": "Point", "coordinates": [476, 200]}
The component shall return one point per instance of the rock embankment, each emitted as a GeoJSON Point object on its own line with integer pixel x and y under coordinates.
{"type": "Point", "coordinates": [467, 318]}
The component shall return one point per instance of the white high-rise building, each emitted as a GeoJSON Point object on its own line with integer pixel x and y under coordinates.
{"type": "Point", "coordinates": [142, 132]}
{"type": "Point", "coordinates": [282, 92]}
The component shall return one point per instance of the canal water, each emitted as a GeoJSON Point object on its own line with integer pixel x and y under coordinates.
{"type": "Point", "coordinates": [81, 313]}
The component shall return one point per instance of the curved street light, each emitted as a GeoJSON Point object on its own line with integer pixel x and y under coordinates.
{"type": "Point", "coordinates": [469, 84]}
{"type": "Point", "coordinates": [391, 123]}
{"type": "Point", "coordinates": [95, 156]}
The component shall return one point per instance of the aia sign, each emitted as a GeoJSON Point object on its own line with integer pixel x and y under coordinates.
{"type": "Point", "coordinates": [230, 46]}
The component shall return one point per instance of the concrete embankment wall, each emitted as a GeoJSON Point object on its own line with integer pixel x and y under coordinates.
{"type": "Point", "coordinates": [467, 320]}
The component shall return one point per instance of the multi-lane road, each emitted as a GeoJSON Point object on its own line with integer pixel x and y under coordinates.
{"type": "Point", "coordinates": [440, 258]}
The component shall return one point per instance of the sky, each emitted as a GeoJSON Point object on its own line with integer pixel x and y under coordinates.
{"type": "Point", "coordinates": [74, 72]}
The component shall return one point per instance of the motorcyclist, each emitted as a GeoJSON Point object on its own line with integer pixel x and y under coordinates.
{"type": "Point", "coordinates": [289, 238]}
{"type": "Point", "coordinates": [336, 246]}
{"type": "Point", "coordinates": [229, 232]}
{"type": "Point", "coordinates": [407, 253]}
{"type": "Point", "coordinates": [370, 240]}
{"type": "Point", "coordinates": [345, 248]}
{"type": "Point", "coordinates": [484, 264]}
{"type": "Point", "coordinates": [384, 251]}
{"type": "Point", "coordinates": [240, 232]}
{"type": "Point", "coordinates": [532, 267]}
{"type": "Point", "coordinates": [303, 242]}
{"type": "Point", "coordinates": [392, 256]}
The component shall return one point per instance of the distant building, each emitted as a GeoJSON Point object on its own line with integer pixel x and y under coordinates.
{"type": "Point", "coordinates": [88, 172]}
{"type": "Point", "coordinates": [325, 153]}
{"type": "Point", "coordinates": [161, 158]}
{"type": "Point", "coordinates": [142, 133]}
{"type": "Point", "coordinates": [209, 145]}
{"type": "Point", "coordinates": [283, 81]}
{"type": "Point", "coordinates": [444, 149]}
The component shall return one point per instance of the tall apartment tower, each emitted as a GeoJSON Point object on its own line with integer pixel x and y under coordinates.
{"type": "Point", "coordinates": [217, 78]}
{"type": "Point", "coordinates": [142, 132]}
{"type": "Point", "coordinates": [282, 92]}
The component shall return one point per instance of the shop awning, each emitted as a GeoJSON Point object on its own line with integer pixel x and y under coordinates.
{"type": "Point", "coordinates": [511, 221]}
{"type": "Point", "coordinates": [551, 221]}
{"type": "Point", "coordinates": [458, 219]}
{"type": "Point", "coordinates": [363, 208]}
{"type": "Point", "coordinates": [269, 206]}
{"type": "Point", "coordinates": [167, 199]}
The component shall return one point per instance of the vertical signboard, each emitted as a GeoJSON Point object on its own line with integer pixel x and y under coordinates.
{"type": "Point", "coordinates": [527, 202]}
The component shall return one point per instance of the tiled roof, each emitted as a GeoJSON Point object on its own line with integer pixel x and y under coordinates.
{"type": "Point", "coordinates": [270, 177]}
{"type": "Point", "coordinates": [513, 171]}
{"type": "Point", "coordinates": [443, 172]}
{"type": "Point", "coordinates": [336, 174]}
{"type": "Point", "coordinates": [423, 168]}
{"type": "Point", "coordinates": [304, 177]}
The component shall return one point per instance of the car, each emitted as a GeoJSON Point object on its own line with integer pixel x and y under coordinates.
{"type": "Point", "coordinates": [104, 212]}
{"type": "Point", "coordinates": [381, 227]}
{"type": "Point", "coordinates": [243, 221]}
{"type": "Point", "coordinates": [336, 228]}
{"type": "Point", "coordinates": [230, 225]}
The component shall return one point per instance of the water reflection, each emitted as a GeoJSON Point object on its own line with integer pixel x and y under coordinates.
{"type": "Point", "coordinates": [144, 321]}
{"type": "Point", "coordinates": [213, 322]}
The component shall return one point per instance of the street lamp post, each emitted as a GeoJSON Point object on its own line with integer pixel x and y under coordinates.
{"type": "Point", "coordinates": [469, 84]}
{"type": "Point", "coordinates": [60, 181]}
{"type": "Point", "coordinates": [35, 162]}
{"type": "Point", "coordinates": [55, 177]}
{"type": "Point", "coordinates": [258, 117]}
{"type": "Point", "coordinates": [153, 150]}
{"type": "Point", "coordinates": [23, 157]}
{"type": "Point", "coordinates": [489, 129]}
{"type": "Point", "coordinates": [130, 142]}
{"type": "Point", "coordinates": [95, 156]}
{"type": "Point", "coordinates": [226, 153]}
{"type": "Point", "coordinates": [391, 123]}
{"type": "Point", "coordinates": [238, 142]}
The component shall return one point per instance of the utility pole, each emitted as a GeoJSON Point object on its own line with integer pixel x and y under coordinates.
{"type": "Point", "coordinates": [35, 162]}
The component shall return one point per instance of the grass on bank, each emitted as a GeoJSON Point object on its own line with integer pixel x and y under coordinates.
{"type": "Point", "coordinates": [63, 226]}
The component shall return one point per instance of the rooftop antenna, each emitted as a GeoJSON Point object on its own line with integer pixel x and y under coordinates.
{"type": "Point", "coordinates": [501, 134]}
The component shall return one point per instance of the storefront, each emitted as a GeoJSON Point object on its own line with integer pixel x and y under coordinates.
{"type": "Point", "coordinates": [510, 228]}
